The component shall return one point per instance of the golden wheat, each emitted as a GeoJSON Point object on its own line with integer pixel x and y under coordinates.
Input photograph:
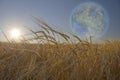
{"type": "Point", "coordinates": [53, 60]}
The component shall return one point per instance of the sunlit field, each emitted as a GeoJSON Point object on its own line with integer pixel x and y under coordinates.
{"type": "Point", "coordinates": [46, 57]}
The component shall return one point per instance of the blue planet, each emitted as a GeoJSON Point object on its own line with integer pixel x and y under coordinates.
{"type": "Point", "coordinates": [89, 19]}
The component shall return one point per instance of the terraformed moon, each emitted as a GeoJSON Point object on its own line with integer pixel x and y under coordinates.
{"type": "Point", "coordinates": [89, 19]}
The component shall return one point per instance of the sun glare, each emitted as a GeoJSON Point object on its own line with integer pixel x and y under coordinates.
{"type": "Point", "coordinates": [15, 33]}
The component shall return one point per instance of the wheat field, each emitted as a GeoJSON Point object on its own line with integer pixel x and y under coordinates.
{"type": "Point", "coordinates": [51, 59]}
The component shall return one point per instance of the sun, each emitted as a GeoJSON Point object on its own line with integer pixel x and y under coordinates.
{"type": "Point", "coordinates": [15, 33]}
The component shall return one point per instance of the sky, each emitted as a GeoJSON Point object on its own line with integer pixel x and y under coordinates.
{"type": "Point", "coordinates": [16, 13]}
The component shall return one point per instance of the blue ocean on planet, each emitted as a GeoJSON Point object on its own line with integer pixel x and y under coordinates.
{"type": "Point", "coordinates": [80, 29]}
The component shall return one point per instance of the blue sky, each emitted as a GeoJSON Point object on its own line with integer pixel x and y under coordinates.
{"type": "Point", "coordinates": [54, 12]}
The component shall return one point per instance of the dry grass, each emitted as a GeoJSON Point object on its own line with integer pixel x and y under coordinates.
{"type": "Point", "coordinates": [50, 59]}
